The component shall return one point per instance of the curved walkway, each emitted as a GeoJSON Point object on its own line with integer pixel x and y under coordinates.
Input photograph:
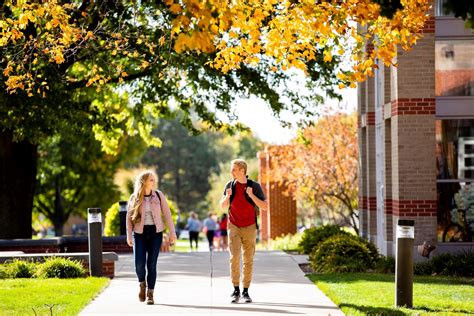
{"type": "Point", "coordinates": [185, 287]}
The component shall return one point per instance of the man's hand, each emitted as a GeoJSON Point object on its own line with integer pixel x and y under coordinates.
{"type": "Point", "coordinates": [250, 192]}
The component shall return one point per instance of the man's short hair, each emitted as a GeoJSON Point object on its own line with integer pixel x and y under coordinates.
{"type": "Point", "coordinates": [240, 163]}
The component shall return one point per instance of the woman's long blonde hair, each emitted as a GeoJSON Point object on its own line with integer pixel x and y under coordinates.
{"type": "Point", "coordinates": [139, 193]}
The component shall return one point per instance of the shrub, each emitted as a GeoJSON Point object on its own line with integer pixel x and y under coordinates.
{"type": "Point", "coordinates": [373, 250]}
{"type": "Point", "coordinates": [112, 221]}
{"type": "Point", "coordinates": [3, 271]}
{"type": "Point", "coordinates": [385, 265]}
{"type": "Point", "coordinates": [457, 264]}
{"type": "Point", "coordinates": [315, 235]}
{"type": "Point", "coordinates": [423, 268]}
{"type": "Point", "coordinates": [63, 268]}
{"type": "Point", "coordinates": [287, 242]}
{"type": "Point", "coordinates": [341, 253]}
{"type": "Point", "coordinates": [465, 264]}
{"type": "Point", "coordinates": [20, 269]}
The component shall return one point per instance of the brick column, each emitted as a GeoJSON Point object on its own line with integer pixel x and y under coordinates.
{"type": "Point", "coordinates": [362, 141]}
{"type": "Point", "coordinates": [413, 137]}
{"type": "Point", "coordinates": [370, 160]}
{"type": "Point", "coordinates": [280, 218]}
{"type": "Point", "coordinates": [388, 202]}
{"type": "Point", "coordinates": [262, 179]}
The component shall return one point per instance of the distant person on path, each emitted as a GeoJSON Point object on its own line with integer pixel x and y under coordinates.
{"type": "Point", "coordinates": [217, 234]}
{"type": "Point", "coordinates": [145, 230]}
{"type": "Point", "coordinates": [223, 229]}
{"type": "Point", "coordinates": [242, 197]}
{"type": "Point", "coordinates": [210, 226]}
{"type": "Point", "coordinates": [194, 227]}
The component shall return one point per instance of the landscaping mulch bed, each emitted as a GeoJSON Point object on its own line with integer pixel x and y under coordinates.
{"type": "Point", "coordinates": [306, 268]}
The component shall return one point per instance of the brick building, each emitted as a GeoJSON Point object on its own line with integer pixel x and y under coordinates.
{"type": "Point", "coordinates": [416, 140]}
{"type": "Point", "coordinates": [280, 218]}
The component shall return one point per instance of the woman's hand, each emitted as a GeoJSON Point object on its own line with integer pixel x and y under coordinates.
{"type": "Point", "coordinates": [172, 240]}
{"type": "Point", "coordinates": [130, 242]}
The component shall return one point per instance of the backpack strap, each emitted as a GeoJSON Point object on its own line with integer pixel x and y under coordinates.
{"type": "Point", "coordinates": [159, 197]}
{"type": "Point", "coordinates": [250, 183]}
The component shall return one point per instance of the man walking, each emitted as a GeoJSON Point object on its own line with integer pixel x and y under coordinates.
{"type": "Point", "coordinates": [242, 197]}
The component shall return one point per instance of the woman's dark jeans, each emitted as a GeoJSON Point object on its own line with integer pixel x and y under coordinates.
{"type": "Point", "coordinates": [146, 248]}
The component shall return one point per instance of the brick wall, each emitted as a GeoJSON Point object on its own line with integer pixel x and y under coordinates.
{"type": "Point", "coordinates": [413, 152]}
{"type": "Point", "coordinates": [280, 218]}
{"type": "Point", "coordinates": [425, 228]}
{"type": "Point", "coordinates": [371, 183]}
{"type": "Point", "coordinates": [412, 131]}
{"type": "Point", "coordinates": [70, 244]}
{"type": "Point", "coordinates": [263, 163]}
{"type": "Point", "coordinates": [362, 205]}
{"type": "Point", "coordinates": [409, 144]}
{"type": "Point", "coordinates": [108, 268]}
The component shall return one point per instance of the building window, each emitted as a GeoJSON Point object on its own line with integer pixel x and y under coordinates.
{"type": "Point", "coordinates": [454, 64]}
{"type": "Point", "coordinates": [440, 10]}
{"type": "Point", "coordinates": [455, 179]}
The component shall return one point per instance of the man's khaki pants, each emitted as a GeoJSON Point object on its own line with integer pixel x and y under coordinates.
{"type": "Point", "coordinates": [242, 240]}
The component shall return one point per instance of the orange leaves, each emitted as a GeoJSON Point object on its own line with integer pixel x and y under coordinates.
{"type": "Point", "coordinates": [60, 34]}
{"type": "Point", "coordinates": [288, 31]}
{"type": "Point", "coordinates": [55, 35]}
{"type": "Point", "coordinates": [321, 162]}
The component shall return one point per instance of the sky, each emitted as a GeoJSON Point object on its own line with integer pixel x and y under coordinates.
{"type": "Point", "coordinates": [254, 113]}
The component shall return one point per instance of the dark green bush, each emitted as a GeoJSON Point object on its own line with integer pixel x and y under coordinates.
{"type": "Point", "coordinates": [464, 264]}
{"type": "Point", "coordinates": [373, 251]}
{"type": "Point", "coordinates": [341, 253]}
{"type": "Point", "coordinates": [450, 264]}
{"type": "Point", "coordinates": [423, 268]}
{"type": "Point", "coordinates": [456, 264]}
{"type": "Point", "coordinates": [315, 235]}
{"type": "Point", "coordinates": [20, 269]}
{"type": "Point", "coordinates": [63, 268]}
{"type": "Point", "coordinates": [385, 265]}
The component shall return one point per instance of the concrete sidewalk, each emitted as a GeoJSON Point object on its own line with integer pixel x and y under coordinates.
{"type": "Point", "coordinates": [185, 287]}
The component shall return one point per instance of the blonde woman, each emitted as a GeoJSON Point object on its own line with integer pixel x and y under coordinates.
{"type": "Point", "coordinates": [146, 209]}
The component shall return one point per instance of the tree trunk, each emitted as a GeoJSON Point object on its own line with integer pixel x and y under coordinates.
{"type": "Point", "coordinates": [18, 167]}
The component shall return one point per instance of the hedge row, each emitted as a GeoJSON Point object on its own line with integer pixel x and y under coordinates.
{"type": "Point", "coordinates": [63, 268]}
{"type": "Point", "coordinates": [331, 249]}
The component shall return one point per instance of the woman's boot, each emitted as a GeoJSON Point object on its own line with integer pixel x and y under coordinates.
{"type": "Point", "coordinates": [141, 294]}
{"type": "Point", "coordinates": [149, 297]}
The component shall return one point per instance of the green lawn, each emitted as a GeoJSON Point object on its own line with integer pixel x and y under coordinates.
{"type": "Point", "coordinates": [374, 294]}
{"type": "Point", "coordinates": [36, 296]}
{"type": "Point", "coordinates": [182, 245]}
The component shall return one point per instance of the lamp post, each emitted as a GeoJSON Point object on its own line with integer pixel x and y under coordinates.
{"type": "Point", "coordinates": [94, 220]}
{"type": "Point", "coordinates": [404, 263]}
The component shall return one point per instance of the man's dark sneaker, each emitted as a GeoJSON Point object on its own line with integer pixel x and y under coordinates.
{"type": "Point", "coordinates": [246, 297]}
{"type": "Point", "coordinates": [235, 296]}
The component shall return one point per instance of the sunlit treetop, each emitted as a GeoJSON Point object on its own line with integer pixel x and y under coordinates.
{"type": "Point", "coordinates": [291, 32]}
{"type": "Point", "coordinates": [284, 34]}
